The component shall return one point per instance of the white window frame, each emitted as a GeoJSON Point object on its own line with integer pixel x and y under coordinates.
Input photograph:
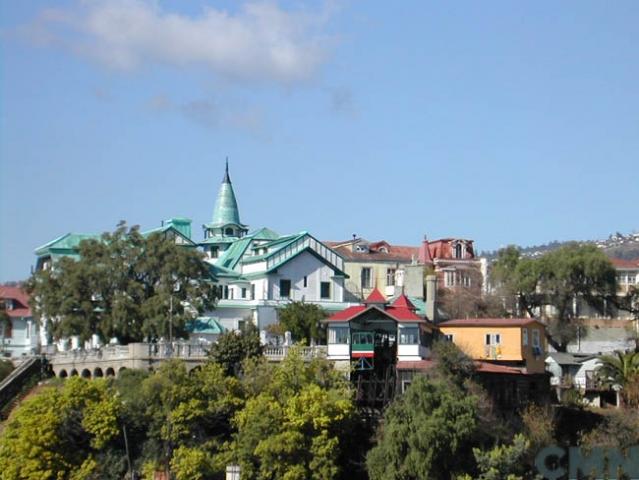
{"type": "Point", "coordinates": [524, 337]}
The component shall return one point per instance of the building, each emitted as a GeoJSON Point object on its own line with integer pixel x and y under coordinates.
{"type": "Point", "coordinates": [509, 355]}
{"type": "Point", "coordinates": [382, 339]}
{"type": "Point", "coordinates": [395, 269]}
{"type": "Point", "coordinates": [257, 273]}
{"type": "Point", "coordinates": [572, 371]}
{"type": "Point", "coordinates": [19, 334]}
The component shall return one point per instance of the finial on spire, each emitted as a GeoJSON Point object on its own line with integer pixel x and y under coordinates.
{"type": "Point", "coordinates": [226, 179]}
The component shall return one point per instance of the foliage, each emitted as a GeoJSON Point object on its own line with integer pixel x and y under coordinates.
{"type": "Point", "coordinates": [621, 370]}
{"type": "Point", "coordinates": [425, 433]}
{"type": "Point", "coordinates": [123, 285]}
{"type": "Point", "coordinates": [191, 464]}
{"type": "Point", "coordinates": [502, 462]}
{"type": "Point", "coordinates": [6, 367]}
{"type": "Point", "coordinates": [618, 429]}
{"type": "Point", "coordinates": [58, 433]}
{"type": "Point", "coordinates": [452, 362]}
{"type": "Point", "coordinates": [232, 348]}
{"type": "Point", "coordinates": [303, 320]}
{"type": "Point", "coordinates": [555, 280]}
{"type": "Point", "coordinates": [294, 422]}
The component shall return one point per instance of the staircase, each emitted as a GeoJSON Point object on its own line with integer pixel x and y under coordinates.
{"type": "Point", "coordinates": [12, 387]}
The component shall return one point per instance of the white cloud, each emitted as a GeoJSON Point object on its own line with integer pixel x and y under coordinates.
{"type": "Point", "coordinates": [259, 42]}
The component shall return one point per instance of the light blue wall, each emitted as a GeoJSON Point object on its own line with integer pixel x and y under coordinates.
{"type": "Point", "coordinates": [20, 343]}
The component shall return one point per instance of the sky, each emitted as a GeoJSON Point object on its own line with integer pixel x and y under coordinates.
{"type": "Point", "coordinates": [503, 122]}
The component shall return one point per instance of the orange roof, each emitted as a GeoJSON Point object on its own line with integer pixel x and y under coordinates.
{"type": "Point", "coordinates": [489, 322]}
{"type": "Point", "coordinates": [487, 367]}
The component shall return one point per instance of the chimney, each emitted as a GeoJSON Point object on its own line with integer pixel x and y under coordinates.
{"type": "Point", "coordinates": [424, 252]}
{"type": "Point", "coordinates": [431, 298]}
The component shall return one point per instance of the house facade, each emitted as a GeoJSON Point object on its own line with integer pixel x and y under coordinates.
{"type": "Point", "coordinates": [19, 333]}
{"type": "Point", "coordinates": [515, 342]}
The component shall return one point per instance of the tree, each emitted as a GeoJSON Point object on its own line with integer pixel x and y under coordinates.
{"type": "Point", "coordinates": [502, 462]}
{"type": "Point", "coordinates": [123, 285]}
{"type": "Point", "coordinates": [6, 367]}
{"type": "Point", "coordinates": [621, 370]}
{"type": "Point", "coordinates": [425, 433]}
{"type": "Point", "coordinates": [558, 279]}
{"type": "Point", "coordinates": [463, 302]}
{"type": "Point", "coordinates": [62, 433]}
{"type": "Point", "coordinates": [296, 418]}
{"type": "Point", "coordinates": [303, 320]}
{"type": "Point", "coordinates": [232, 348]}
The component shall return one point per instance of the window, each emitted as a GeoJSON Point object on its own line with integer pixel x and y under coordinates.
{"type": "Point", "coordinates": [536, 340]}
{"type": "Point", "coordinates": [409, 336]}
{"type": "Point", "coordinates": [449, 279]}
{"type": "Point", "coordinates": [243, 292]}
{"type": "Point", "coordinates": [228, 232]}
{"type": "Point", "coordinates": [390, 277]}
{"type": "Point", "coordinates": [524, 337]}
{"type": "Point", "coordinates": [366, 277]}
{"type": "Point", "coordinates": [465, 280]}
{"type": "Point", "coordinates": [252, 291]}
{"type": "Point", "coordinates": [448, 337]}
{"type": "Point", "coordinates": [215, 251]}
{"type": "Point", "coordinates": [493, 339]}
{"type": "Point", "coordinates": [226, 291]}
{"type": "Point", "coordinates": [338, 335]}
{"type": "Point", "coordinates": [305, 281]}
{"type": "Point", "coordinates": [325, 290]}
{"type": "Point", "coordinates": [8, 304]}
{"type": "Point", "coordinates": [458, 251]}
{"type": "Point", "coordinates": [285, 288]}
{"type": "Point", "coordinates": [28, 331]}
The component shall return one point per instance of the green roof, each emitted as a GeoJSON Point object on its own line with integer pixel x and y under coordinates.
{"type": "Point", "coordinates": [69, 241]}
{"type": "Point", "coordinates": [226, 211]}
{"type": "Point", "coordinates": [205, 325]}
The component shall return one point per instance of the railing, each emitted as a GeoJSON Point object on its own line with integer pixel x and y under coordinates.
{"type": "Point", "coordinates": [307, 353]}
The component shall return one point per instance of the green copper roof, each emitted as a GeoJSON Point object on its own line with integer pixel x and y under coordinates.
{"type": "Point", "coordinates": [204, 325]}
{"type": "Point", "coordinates": [226, 211]}
{"type": "Point", "coordinates": [69, 242]}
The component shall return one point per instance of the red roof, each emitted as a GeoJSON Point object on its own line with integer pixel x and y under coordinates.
{"type": "Point", "coordinates": [20, 301]}
{"type": "Point", "coordinates": [403, 314]}
{"type": "Point", "coordinates": [375, 297]}
{"type": "Point", "coordinates": [403, 302]}
{"type": "Point", "coordinates": [489, 322]}
{"type": "Point", "coordinates": [623, 263]}
{"type": "Point", "coordinates": [346, 314]}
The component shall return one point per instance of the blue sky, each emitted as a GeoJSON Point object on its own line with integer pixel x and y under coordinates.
{"type": "Point", "coordinates": [505, 122]}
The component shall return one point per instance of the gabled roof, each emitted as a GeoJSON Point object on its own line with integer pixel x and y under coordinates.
{"type": "Point", "coordinates": [375, 297]}
{"type": "Point", "coordinates": [398, 314]}
{"type": "Point", "coordinates": [204, 325]}
{"type": "Point", "coordinates": [264, 234]}
{"type": "Point", "coordinates": [569, 358]}
{"type": "Point", "coordinates": [403, 302]}
{"type": "Point", "coordinates": [20, 299]}
{"type": "Point", "coordinates": [490, 322]}
{"type": "Point", "coordinates": [67, 242]}
{"type": "Point", "coordinates": [172, 229]}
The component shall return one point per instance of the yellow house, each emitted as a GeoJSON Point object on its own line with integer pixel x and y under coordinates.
{"type": "Point", "coordinates": [516, 342]}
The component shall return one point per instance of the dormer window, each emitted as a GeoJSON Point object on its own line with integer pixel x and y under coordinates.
{"type": "Point", "coordinates": [8, 304]}
{"type": "Point", "coordinates": [228, 232]}
{"type": "Point", "coordinates": [458, 252]}
{"type": "Point", "coordinates": [383, 250]}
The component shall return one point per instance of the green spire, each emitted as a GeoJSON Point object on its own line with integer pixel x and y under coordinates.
{"type": "Point", "coordinates": [226, 210]}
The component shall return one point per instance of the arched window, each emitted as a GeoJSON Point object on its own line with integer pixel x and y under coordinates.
{"type": "Point", "coordinates": [228, 231]}
{"type": "Point", "coordinates": [458, 250]}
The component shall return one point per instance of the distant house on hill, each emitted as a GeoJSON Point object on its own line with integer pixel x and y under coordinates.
{"type": "Point", "coordinates": [19, 334]}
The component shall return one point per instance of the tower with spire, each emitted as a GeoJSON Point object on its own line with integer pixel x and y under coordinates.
{"type": "Point", "coordinates": [225, 227]}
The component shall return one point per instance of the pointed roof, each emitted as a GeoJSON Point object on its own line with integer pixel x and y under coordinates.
{"type": "Point", "coordinates": [226, 211]}
{"type": "Point", "coordinates": [403, 302]}
{"type": "Point", "coordinates": [375, 297]}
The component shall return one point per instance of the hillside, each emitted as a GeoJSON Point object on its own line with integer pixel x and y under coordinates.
{"type": "Point", "coordinates": [616, 245]}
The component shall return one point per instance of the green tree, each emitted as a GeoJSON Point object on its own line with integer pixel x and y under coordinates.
{"type": "Point", "coordinates": [61, 433]}
{"type": "Point", "coordinates": [425, 433]}
{"type": "Point", "coordinates": [303, 320]}
{"type": "Point", "coordinates": [6, 367]}
{"type": "Point", "coordinates": [558, 279]}
{"type": "Point", "coordinates": [502, 462]}
{"type": "Point", "coordinates": [621, 370]}
{"type": "Point", "coordinates": [124, 285]}
{"type": "Point", "coordinates": [296, 418]}
{"type": "Point", "coordinates": [232, 348]}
